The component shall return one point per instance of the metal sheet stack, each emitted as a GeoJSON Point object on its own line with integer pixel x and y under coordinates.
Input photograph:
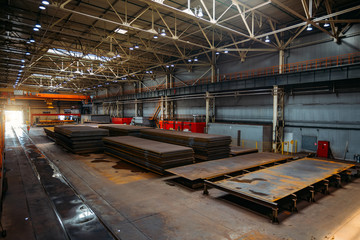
{"type": "Point", "coordinates": [206, 146]}
{"type": "Point", "coordinates": [80, 139]}
{"type": "Point", "coordinates": [149, 154]}
{"type": "Point", "coordinates": [50, 133]}
{"type": "Point", "coordinates": [123, 130]}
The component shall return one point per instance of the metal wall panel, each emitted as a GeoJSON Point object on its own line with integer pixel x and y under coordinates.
{"type": "Point", "coordinates": [250, 134]}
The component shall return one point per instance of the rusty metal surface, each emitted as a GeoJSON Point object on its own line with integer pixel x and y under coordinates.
{"type": "Point", "coordinates": [211, 169]}
{"type": "Point", "coordinates": [148, 145]}
{"type": "Point", "coordinates": [274, 183]}
{"type": "Point", "coordinates": [238, 150]}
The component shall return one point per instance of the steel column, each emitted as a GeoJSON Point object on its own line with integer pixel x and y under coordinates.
{"type": "Point", "coordinates": [278, 118]}
{"type": "Point", "coordinates": [210, 109]}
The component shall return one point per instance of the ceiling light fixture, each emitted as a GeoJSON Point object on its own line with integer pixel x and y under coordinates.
{"type": "Point", "coordinates": [163, 33]}
{"type": "Point", "coordinates": [267, 39]}
{"type": "Point", "coordinates": [156, 36]}
{"type": "Point", "coordinates": [120, 31]}
{"type": "Point", "coordinates": [326, 24]}
{"type": "Point", "coordinates": [217, 53]}
{"type": "Point", "coordinates": [32, 40]}
{"type": "Point", "coordinates": [131, 48]}
{"type": "Point", "coordinates": [36, 29]}
{"type": "Point", "coordinates": [189, 60]}
{"type": "Point", "coordinates": [226, 51]}
{"type": "Point", "coordinates": [195, 59]}
{"type": "Point", "coordinates": [198, 12]}
{"type": "Point", "coordinates": [309, 27]}
{"type": "Point", "coordinates": [22, 60]}
{"type": "Point", "coordinates": [38, 25]}
{"type": "Point", "coordinates": [42, 7]}
{"type": "Point", "coordinates": [136, 46]}
{"type": "Point", "coordinates": [45, 2]}
{"type": "Point", "coordinates": [172, 65]}
{"type": "Point", "coordinates": [27, 53]}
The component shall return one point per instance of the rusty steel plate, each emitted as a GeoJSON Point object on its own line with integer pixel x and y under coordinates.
{"type": "Point", "coordinates": [211, 169]}
{"type": "Point", "coordinates": [238, 150]}
{"type": "Point", "coordinates": [274, 183]}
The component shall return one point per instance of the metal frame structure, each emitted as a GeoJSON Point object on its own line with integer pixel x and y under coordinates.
{"type": "Point", "coordinates": [84, 46]}
{"type": "Point", "coordinates": [281, 182]}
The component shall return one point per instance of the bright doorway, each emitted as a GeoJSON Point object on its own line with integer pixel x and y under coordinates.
{"type": "Point", "coordinates": [14, 118]}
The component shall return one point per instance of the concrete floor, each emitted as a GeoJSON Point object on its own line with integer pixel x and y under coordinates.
{"type": "Point", "coordinates": [137, 204]}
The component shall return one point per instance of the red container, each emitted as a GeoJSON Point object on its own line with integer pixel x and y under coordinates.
{"type": "Point", "coordinates": [161, 124]}
{"type": "Point", "coordinates": [170, 125]}
{"type": "Point", "coordinates": [187, 126]}
{"type": "Point", "coordinates": [323, 149]}
{"type": "Point", "coordinates": [179, 126]}
{"type": "Point", "coordinates": [121, 120]}
{"type": "Point", "coordinates": [198, 127]}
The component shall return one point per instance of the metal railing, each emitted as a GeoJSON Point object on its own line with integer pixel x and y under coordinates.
{"type": "Point", "coordinates": [312, 64]}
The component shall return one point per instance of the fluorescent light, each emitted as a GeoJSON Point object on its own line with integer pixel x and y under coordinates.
{"type": "Point", "coordinates": [136, 46]}
{"type": "Point", "coordinates": [309, 27]}
{"type": "Point", "coordinates": [27, 53]}
{"type": "Point", "coordinates": [189, 60]}
{"type": "Point", "coordinates": [217, 53]}
{"type": "Point", "coordinates": [45, 2]}
{"type": "Point", "coordinates": [121, 31]}
{"type": "Point", "coordinates": [38, 25]}
{"type": "Point", "coordinates": [36, 29]}
{"type": "Point", "coordinates": [226, 51]}
{"type": "Point", "coordinates": [42, 7]}
{"type": "Point", "coordinates": [195, 59]}
{"type": "Point", "coordinates": [22, 60]}
{"type": "Point", "coordinates": [131, 48]}
{"type": "Point", "coordinates": [172, 65]}
{"type": "Point", "coordinates": [155, 36]}
{"type": "Point", "coordinates": [32, 40]}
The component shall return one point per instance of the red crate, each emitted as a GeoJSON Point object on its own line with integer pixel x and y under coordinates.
{"type": "Point", "coordinates": [198, 127]}
{"type": "Point", "coordinates": [121, 120]}
{"type": "Point", "coordinates": [187, 125]}
{"type": "Point", "coordinates": [169, 125]}
{"type": "Point", "coordinates": [161, 124]}
{"type": "Point", "coordinates": [323, 149]}
{"type": "Point", "coordinates": [179, 126]}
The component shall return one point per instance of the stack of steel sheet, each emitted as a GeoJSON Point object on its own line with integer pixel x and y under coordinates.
{"type": "Point", "coordinates": [80, 139]}
{"type": "Point", "coordinates": [206, 146]}
{"type": "Point", "coordinates": [123, 130]}
{"type": "Point", "coordinates": [50, 133]}
{"type": "Point", "coordinates": [149, 154]}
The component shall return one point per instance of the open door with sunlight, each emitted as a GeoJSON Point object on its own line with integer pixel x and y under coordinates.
{"type": "Point", "coordinates": [14, 118]}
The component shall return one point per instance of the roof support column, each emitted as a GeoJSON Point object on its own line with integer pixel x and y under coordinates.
{"type": "Point", "coordinates": [210, 109]}
{"type": "Point", "coordinates": [281, 61]}
{"type": "Point", "coordinates": [119, 109]}
{"type": "Point", "coordinates": [278, 118]}
{"type": "Point", "coordinates": [213, 67]}
{"type": "Point", "coordinates": [169, 80]}
{"type": "Point", "coordinates": [162, 108]}
{"type": "Point", "coordinates": [138, 108]}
